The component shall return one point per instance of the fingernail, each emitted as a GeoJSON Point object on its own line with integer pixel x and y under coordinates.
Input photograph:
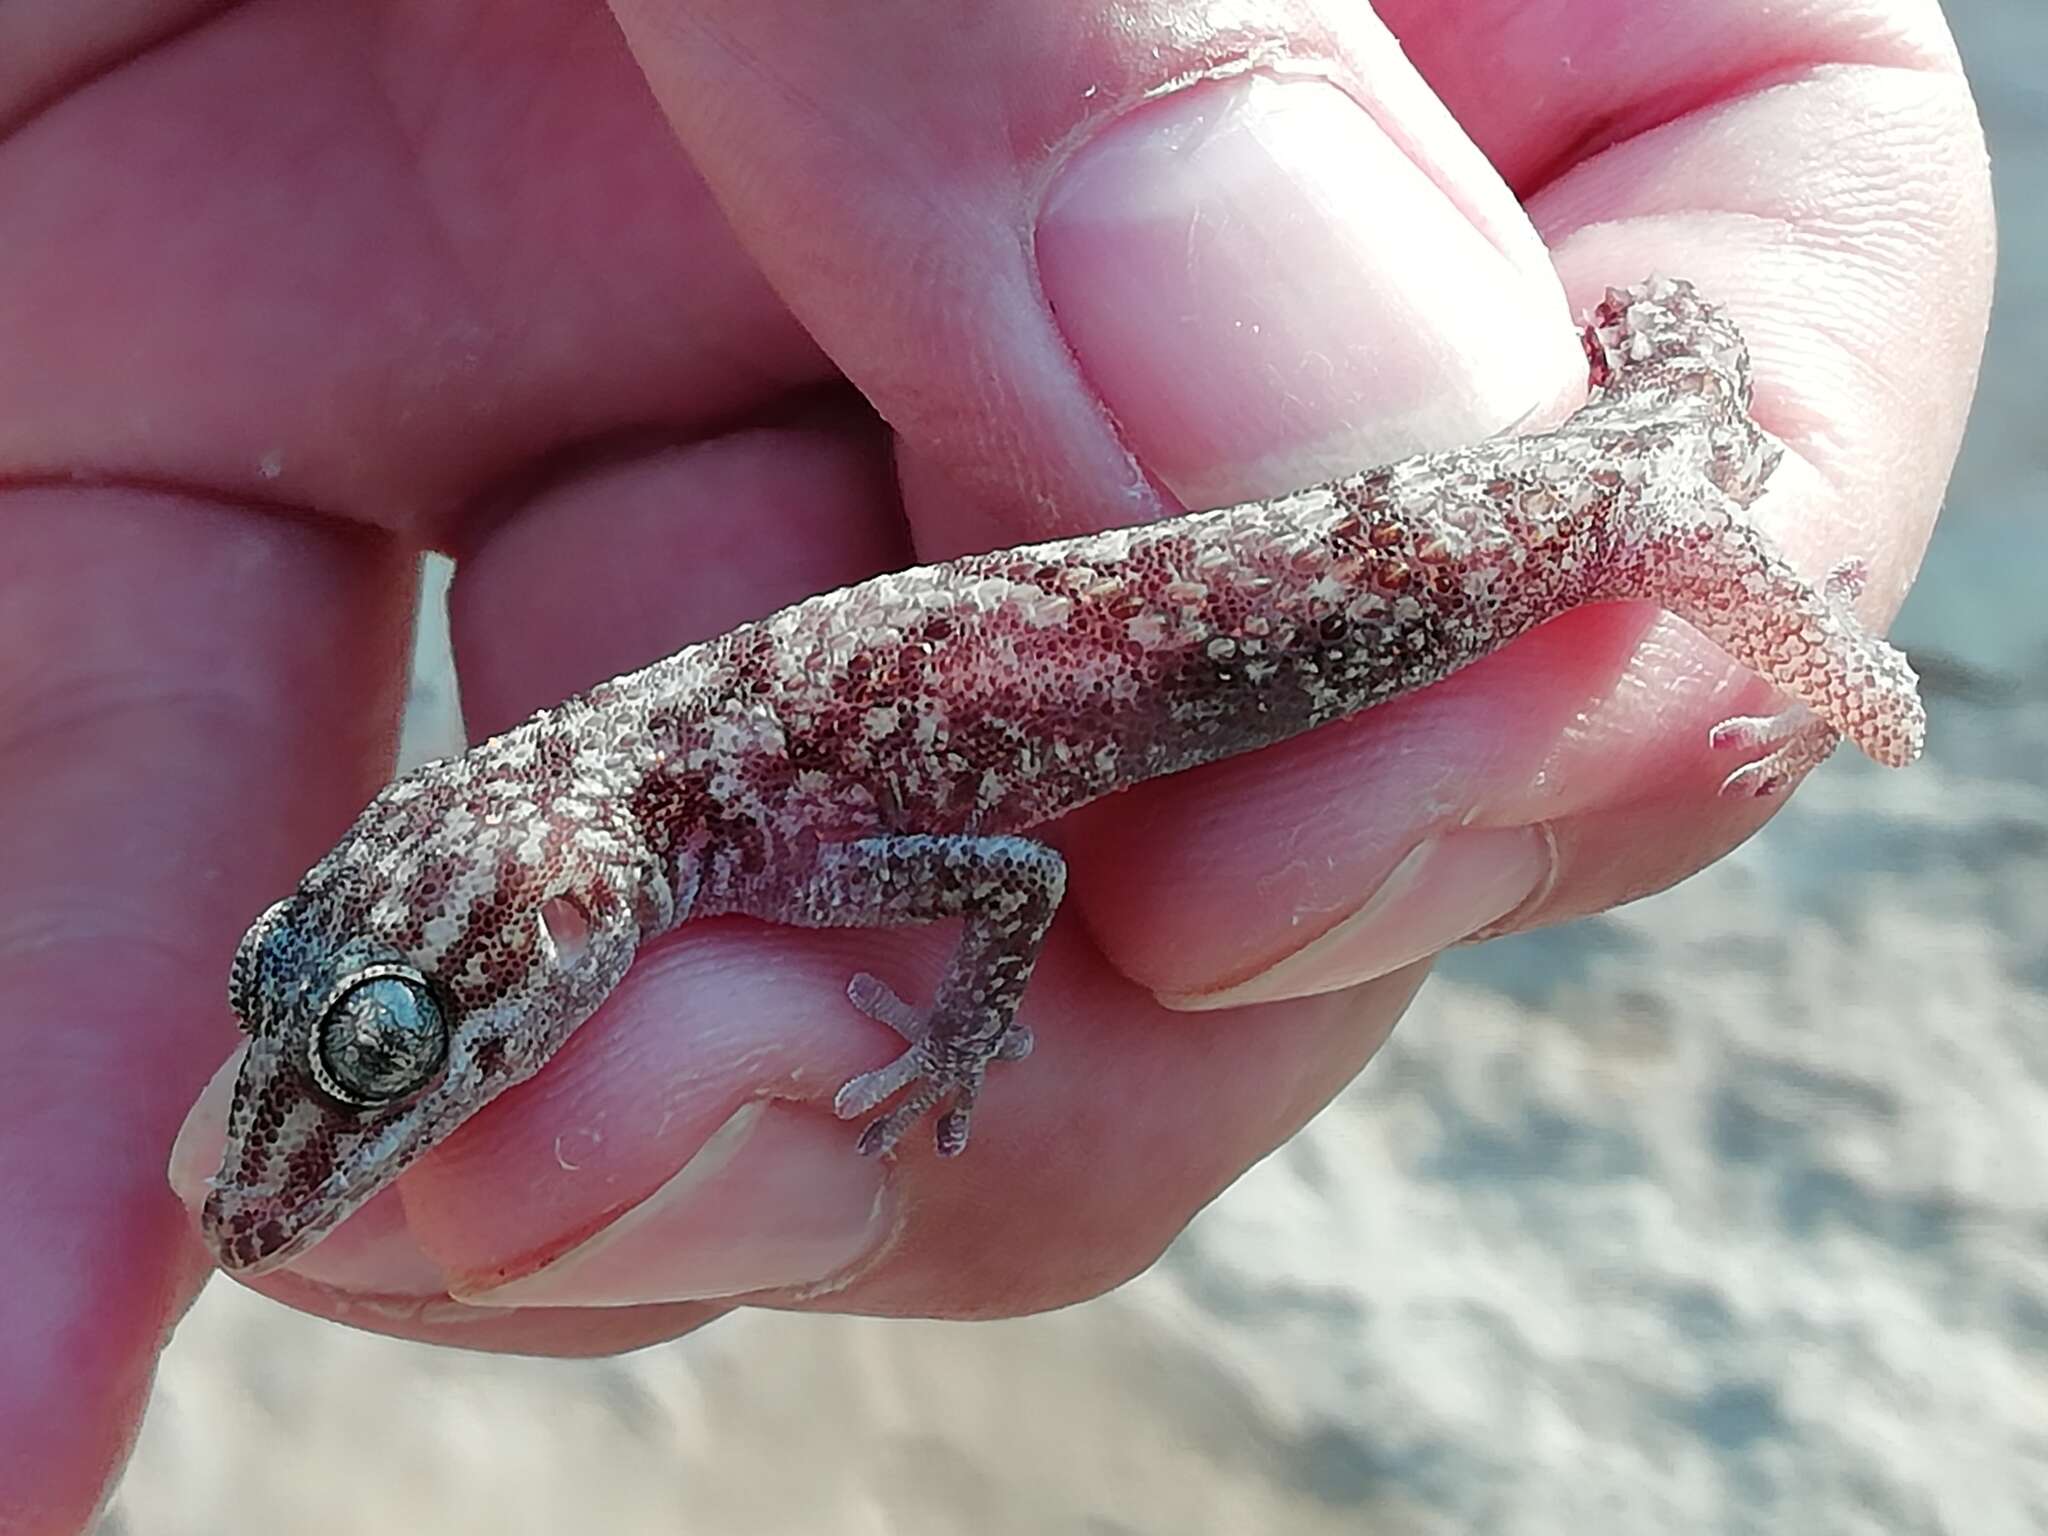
{"type": "Point", "coordinates": [1451, 887]}
{"type": "Point", "coordinates": [195, 1153]}
{"type": "Point", "coordinates": [1265, 290]}
{"type": "Point", "coordinates": [775, 1199]}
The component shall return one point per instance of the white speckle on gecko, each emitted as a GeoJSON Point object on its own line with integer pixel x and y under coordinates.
{"type": "Point", "coordinates": [871, 756]}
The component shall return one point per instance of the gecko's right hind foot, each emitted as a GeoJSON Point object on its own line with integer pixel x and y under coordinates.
{"type": "Point", "coordinates": [937, 1067]}
{"type": "Point", "coordinates": [1794, 741]}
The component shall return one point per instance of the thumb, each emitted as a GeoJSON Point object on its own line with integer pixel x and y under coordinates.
{"type": "Point", "coordinates": [1093, 261]}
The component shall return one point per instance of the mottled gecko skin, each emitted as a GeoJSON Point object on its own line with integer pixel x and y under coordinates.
{"type": "Point", "coordinates": [871, 756]}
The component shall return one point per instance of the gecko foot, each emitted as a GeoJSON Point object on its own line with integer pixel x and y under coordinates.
{"type": "Point", "coordinates": [1798, 741]}
{"type": "Point", "coordinates": [938, 1068]}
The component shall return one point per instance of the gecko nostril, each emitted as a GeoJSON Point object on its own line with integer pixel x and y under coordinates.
{"type": "Point", "coordinates": [567, 928]}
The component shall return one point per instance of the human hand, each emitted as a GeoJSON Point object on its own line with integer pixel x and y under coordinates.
{"type": "Point", "coordinates": [294, 289]}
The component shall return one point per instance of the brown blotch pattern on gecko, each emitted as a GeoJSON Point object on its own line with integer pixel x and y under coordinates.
{"type": "Point", "coordinates": [871, 757]}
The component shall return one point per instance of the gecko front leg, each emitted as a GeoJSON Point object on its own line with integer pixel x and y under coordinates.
{"type": "Point", "coordinates": [1006, 889]}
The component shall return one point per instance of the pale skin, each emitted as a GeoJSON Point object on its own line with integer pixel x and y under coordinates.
{"type": "Point", "coordinates": [201, 686]}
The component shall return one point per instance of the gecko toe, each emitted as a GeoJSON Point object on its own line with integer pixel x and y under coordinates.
{"type": "Point", "coordinates": [952, 1130]}
{"type": "Point", "coordinates": [1750, 733]}
{"type": "Point", "coordinates": [880, 1136]}
{"type": "Point", "coordinates": [879, 1001]}
{"type": "Point", "coordinates": [1794, 742]}
{"type": "Point", "coordinates": [863, 1093]}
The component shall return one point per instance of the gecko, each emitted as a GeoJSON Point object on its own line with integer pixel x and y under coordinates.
{"type": "Point", "coordinates": [878, 755]}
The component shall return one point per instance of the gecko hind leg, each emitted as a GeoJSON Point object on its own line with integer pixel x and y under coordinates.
{"type": "Point", "coordinates": [1700, 558]}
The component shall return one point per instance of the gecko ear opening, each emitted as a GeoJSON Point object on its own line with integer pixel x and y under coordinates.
{"type": "Point", "coordinates": [565, 929]}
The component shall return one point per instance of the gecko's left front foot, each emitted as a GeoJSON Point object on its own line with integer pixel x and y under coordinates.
{"type": "Point", "coordinates": [939, 1067]}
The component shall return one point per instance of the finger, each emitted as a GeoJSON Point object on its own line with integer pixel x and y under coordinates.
{"type": "Point", "coordinates": [369, 316]}
{"type": "Point", "coordinates": [1769, 196]}
{"type": "Point", "coordinates": [1764, 196]}
{"type": "Point", "coordinates": [929, 198]}
{"type": "Point", "coordinates": [371, 1273]}
{"type": "Point", "coordinates": [191, 698]}
{"type": "Point", "coordinates": [685, 1146]}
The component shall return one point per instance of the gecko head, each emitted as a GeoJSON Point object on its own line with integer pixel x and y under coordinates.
{"type": "Point", "coordinates": [441, 953]}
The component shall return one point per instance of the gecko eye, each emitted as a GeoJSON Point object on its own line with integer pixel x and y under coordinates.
{"type": "Point", "coordinates": [383, 1037]}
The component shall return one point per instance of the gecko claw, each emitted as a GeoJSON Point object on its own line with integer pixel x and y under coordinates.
{"type": "Point", "coordinates": [880, 1135]}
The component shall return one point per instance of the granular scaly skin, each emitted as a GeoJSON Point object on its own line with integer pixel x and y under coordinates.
{"type": "Point", "coordinates": [874, 756]}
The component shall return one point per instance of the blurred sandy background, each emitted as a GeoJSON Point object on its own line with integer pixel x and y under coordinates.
{"type": "Point", "coordinates": [1726, 1212]}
